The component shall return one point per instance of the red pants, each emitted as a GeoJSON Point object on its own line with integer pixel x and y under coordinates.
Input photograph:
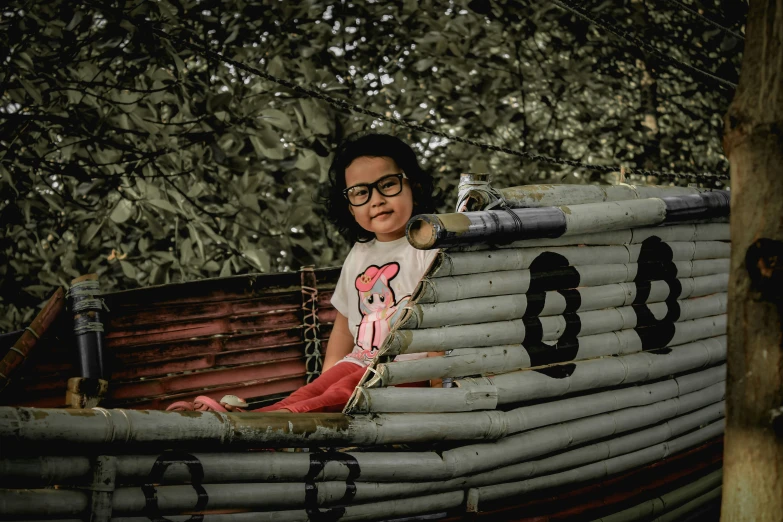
{"type": "Point", "coordinates": [328, 393]}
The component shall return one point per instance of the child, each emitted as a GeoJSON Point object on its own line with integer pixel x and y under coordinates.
{"type": "Point", "coordinates": [376, 185]}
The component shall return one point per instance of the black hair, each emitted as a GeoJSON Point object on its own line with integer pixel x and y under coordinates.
{"type": "Point", "coordinates": [374, 146]}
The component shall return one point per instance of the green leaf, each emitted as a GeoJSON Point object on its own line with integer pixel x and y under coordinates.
{"type": "Point", "coordinates": [277, 118]}
{"type": "Point", "coordinates": [122, 212]}
{"type": "Point", "coordinates": [32, 90]}
{"type": "Point", "coordinates": [128, 269]}
{"type": "Point", "coordinates": [163, 205]}
{"type": "Point", "coordinates": [258, 258]}
{"type": "Point", "coordinates": [316, 117]}
{"type": "Point", "coordinates": [92, 230]}
{"type": "Point", "coordinates": [267, 144]}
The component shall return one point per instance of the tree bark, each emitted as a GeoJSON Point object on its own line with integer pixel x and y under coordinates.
{"type": "Point", "coordinates": [753, 458]}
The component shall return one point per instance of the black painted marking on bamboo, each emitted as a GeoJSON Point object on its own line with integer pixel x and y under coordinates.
{"type": "Point", "coordinates": [645, 317]}
{"type": "Point", "coordinates": [642, 292]}
{"type": "Point", "coordinates": [573, 326]}
{"type": "Point", "coordinates": [543, 354]}
{"type": "Point", "coordinates": [318, 461]}
{"type": "Point", "coordinates": [705, 205]}
{"type": "Point", "coordinates": [655, 263]}
{"type": "Point", "coordinates": [534, 330]}
{"type": "Point", "coordinates": [655, 337]}
{"type": "Point", "coordinates": [561, 371]}
{"type": "Point", "coordinates": [675, 288]}
{"type": "Point", "coordinates": [552, 271]}
{"type": "Point", "coordinates": [535, 304]}
{"type": "Point", "coordinates": [159, 467]}
{"type": "Point", "coordinates": [573, 299]}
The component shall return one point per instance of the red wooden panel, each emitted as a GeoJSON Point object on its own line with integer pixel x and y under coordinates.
{"type": "Point", "coordinates": [247, 391]}
{"type": "Point", "coordinates": [261, 372]}
{"type": "Point", "coordinates": [155, 314]}
{"type": "Point", "coordinates": [190, 347]}
{"type": "Point", "coordinates": [204, 362]}
{"type": "Point", "coordinates": [187, 329]}
{"type": "Point", "coordinates": [327, 315]}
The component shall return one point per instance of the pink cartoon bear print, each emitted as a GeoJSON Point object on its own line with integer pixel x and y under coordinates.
{"type": "Point", "coordinates": [378, 306]}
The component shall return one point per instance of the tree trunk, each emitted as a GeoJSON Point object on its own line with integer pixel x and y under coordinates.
{"type": "Point", "coordinates": [753, 465]}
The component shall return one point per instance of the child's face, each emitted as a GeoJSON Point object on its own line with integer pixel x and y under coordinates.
{"type": "Point", "coordinates": [384, 216]}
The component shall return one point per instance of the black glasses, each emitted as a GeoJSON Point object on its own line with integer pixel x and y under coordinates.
{"type": "Point", "coordinates": [388, 186]}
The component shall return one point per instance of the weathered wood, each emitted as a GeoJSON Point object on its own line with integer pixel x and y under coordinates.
{"type": "Point", "coordinates": [753, 142]}
{"type": "Point", "coordinates": [25, 344]}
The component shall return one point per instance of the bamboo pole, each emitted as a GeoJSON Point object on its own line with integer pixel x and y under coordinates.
{"type": "Point", "coordinates": [499, 284]}
{"type": "Point", "coordinates": [678, 513]}
{"type": "Point", "coordinates": [427, 400]}
{"type": "Point", "coordinates": [378, 510]}
{"type": "Point", "coordinates": [522, 326]}
{"type": "Point", "coordinates": [545, 259]}
{"type": "Point", "coordinates": [293, 467]}
{"type": "Point", "coordinates": [501, 335]}
{"type": "Point", "coordinates": [528, 385]}
{"type": "Point", "coordinates": [713, 231]}
{"type": "Point", "coordinates": [475, 458]}
{"type": "Point", "coordinates": [27, 341]}
{"type": "Point", "coordinates": [532, 196]}
{"type": "Point", "coordinates": [462, 362]}
{"type": "Point", "coordinates": [429, 231]}
{"type": "Point", "coordinates": [266, 496]}
{"type": "Point", "coordinates": [594, 471]}
{"type": "Point", "coordinates": [514, 306]}
{"type": "Point", "coordinates": [669, 501]}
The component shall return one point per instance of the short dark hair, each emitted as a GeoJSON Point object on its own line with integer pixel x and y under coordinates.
{"type": "Point", "coordinates": [374, 146]}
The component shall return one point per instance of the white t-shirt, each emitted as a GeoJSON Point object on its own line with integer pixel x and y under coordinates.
{"type": "Point", "coordinates": [375, 284]}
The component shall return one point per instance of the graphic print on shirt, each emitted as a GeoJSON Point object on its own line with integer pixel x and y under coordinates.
{"type": "Point", "coordinates": [378, 306]}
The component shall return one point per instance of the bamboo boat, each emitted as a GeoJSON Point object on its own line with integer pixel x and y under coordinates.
{"type": "Point", "coordinates": [584, 378]}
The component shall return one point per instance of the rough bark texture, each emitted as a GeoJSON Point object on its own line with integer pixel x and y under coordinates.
{"type": "Point", "coordinates": [753, 479]}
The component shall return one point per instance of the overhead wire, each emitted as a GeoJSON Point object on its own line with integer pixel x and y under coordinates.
{"type": "Point", "coordinates": [707, 20]}
{"type": "Point", "coordinates": [625, 35]}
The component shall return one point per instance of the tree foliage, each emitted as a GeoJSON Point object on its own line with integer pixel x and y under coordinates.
{"type": "Point", "coordinates": [126, 155]}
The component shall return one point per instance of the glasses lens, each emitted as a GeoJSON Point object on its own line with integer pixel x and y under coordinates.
{"type": "Point", "coordinates": [390, 186]}
{"type": "Point", "coordinates": [358, 195]}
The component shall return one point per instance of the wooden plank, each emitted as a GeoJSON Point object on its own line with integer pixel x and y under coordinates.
{"type": "Point", "coordinates": [145, 334]}
{"type": "Point", "coordinates": [218, 289]}
{"type": "Point", "coordinates": [189, 347]}
{"type": "Point", "coordinates": [260, 372]}
{"type": "Point", "coordinates": [248, 390]}
{"type": "Point", "coordinates": [154, 313]}
{"type": "Point", "coordinates": [209, 361]}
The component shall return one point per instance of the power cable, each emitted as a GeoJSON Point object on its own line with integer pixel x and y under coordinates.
{"type": "Point", "coordinates": [349, 107]}
{"type": "Point", "coordinates": [625, 35]}
{"type": "Point", "coordinates": [713, 23]}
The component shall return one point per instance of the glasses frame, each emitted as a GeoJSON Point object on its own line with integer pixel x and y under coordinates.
{"type": "Point", "coordinates": [374, 186]}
